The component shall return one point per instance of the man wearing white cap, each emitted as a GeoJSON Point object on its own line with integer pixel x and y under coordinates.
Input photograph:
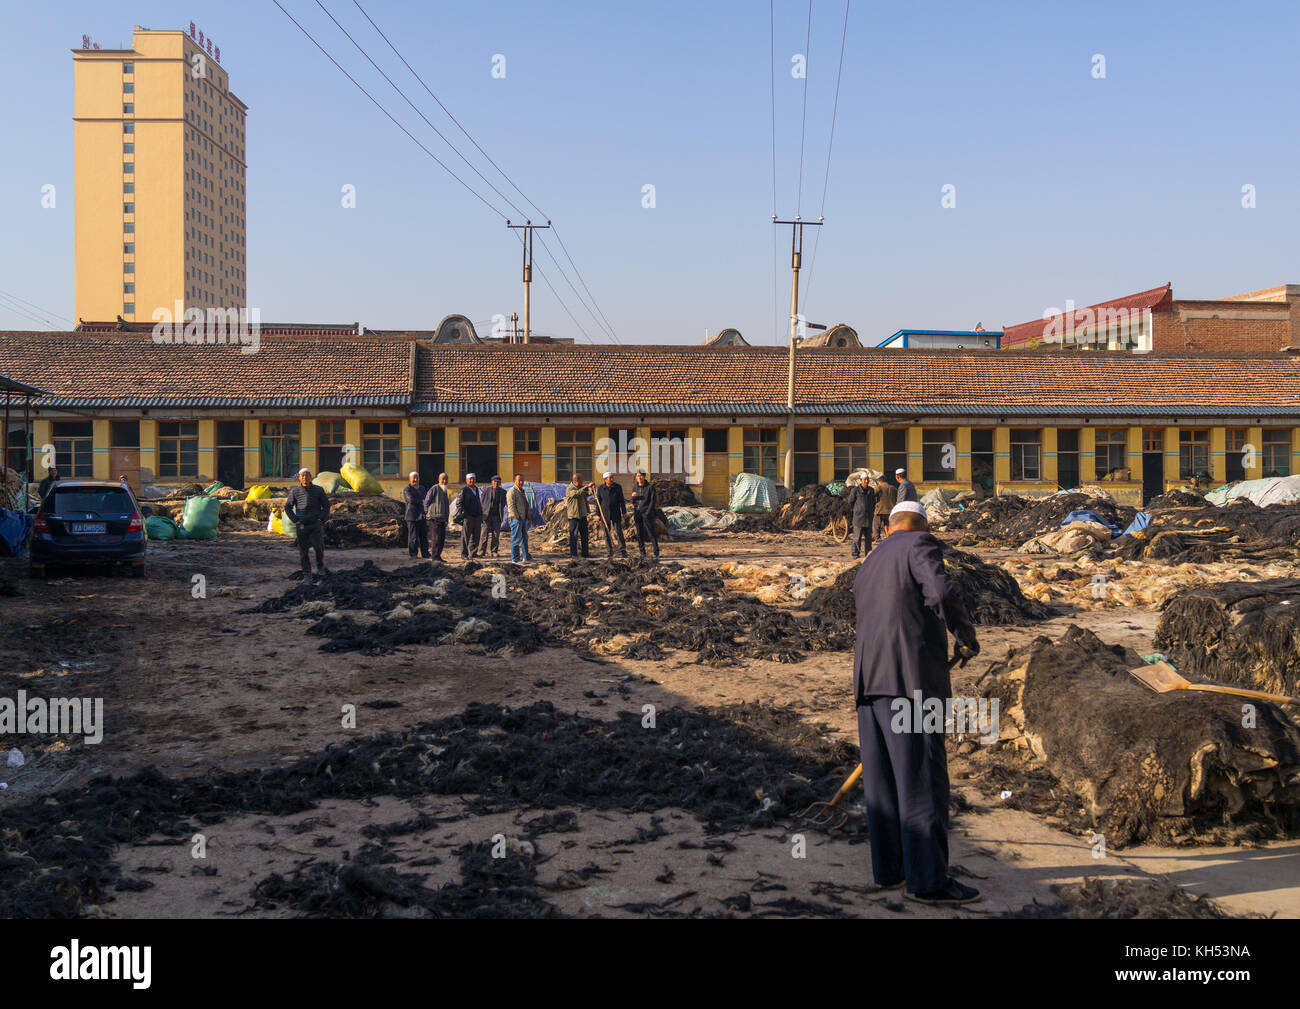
{"type": "Point", "coordinates": [906, 606]}
{"type": "Point", "coordinates": [437, 509]}
{"type": "Point", "coordinates": [307, 507]}
{"type": "Point", "coordinates": [417, 524]}
{"type": "Point", "coordinates": [906, 489]}
{"type": "Point", "coordinates": [610, 500]}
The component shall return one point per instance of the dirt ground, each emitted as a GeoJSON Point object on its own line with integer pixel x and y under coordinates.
{"type": "Point", "coordinates": [190, 684]}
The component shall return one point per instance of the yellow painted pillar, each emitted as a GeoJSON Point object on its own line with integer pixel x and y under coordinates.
{"type": "Point", "coordinates": [1171, 455]}
{"type": "Point", "coordinates": [1295, 450]}
{"type": "Point", "coordinates": [41, 436]}
{"type": "Point", "coordinates": [207, 449]}
{"type": "Point", "coordinates": [963, 474]}
{"type": "Point", "coordinates": [451, 457]}
{"type": "Point", "coordinates": [694, 456]}
{"type": "Point", "coordinates": [1134, 439]}
{"type": "Point", "coordinates": [1087, 454]}
{"type": "Point", "coordinates": [307, 444]}
{"type": "Point", "coordinates": [100, 458]}
{"type": "Point", "coordinates": [735, 450]}
{"type": "Point", "coordinates": [600, 462]}
{"type": "Point", "coordinates": [1219, 455]}
{"type": "Point", "coordinates": [252, 455]}
{"type": "Point", "coordinates": [825, 454]}
{"type": "Point", "coordinates": [1001, 455]}
{"type": "Point", "coordinates": [780, 453]}
{"type": "Point", "coordinates": [410, 445]}
{"type": "Point", "coordinates": [352, 436]}
{"type": "Point", "coordinates": [1050, 469]}
{"type": "Point", "coordinates": [1254, 438]}
{"type": "Point", "coordinates": [148, 451]}
{"type": "Point", "coordinates": [876, 450]}
{"type": "Point", "coordinates": [915, 462]}
{"type": "Point", "coordinates": [505, 454]}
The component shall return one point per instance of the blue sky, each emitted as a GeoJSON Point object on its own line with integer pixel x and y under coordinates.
{"type": "Point", "coordinates": [1067, 186]}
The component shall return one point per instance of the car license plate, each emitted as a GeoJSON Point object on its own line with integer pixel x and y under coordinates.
{"type": "Point", "coordinates": [89, 528]}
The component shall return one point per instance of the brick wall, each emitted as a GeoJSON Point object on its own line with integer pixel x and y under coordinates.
{"type": "Point", "coordinates": [1220, 326]}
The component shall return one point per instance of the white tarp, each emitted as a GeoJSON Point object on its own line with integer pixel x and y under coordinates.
{"type": "Point", "coordinates": [1274, 490]}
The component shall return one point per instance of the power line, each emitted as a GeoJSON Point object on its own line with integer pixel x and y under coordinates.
{"type": "Point", "coordinates": [608, 327]}
{"type": "Point", "coordinates": [844, 34]}
{"type": "Point", "coordinates": [37, 308]}
{"type": "Point", "coordinates": [18, 309]}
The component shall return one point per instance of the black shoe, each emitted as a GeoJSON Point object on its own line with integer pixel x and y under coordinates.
{"type": "Point", "coordinates": [953, 892]}
{"type": "Point", "coordinates": [322, 571]}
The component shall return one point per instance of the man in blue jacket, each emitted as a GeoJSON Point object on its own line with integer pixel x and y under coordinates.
{"type": "Point", "coordinates": [471, 516]}
{"type": "Point", "coordinates": [905, 607]}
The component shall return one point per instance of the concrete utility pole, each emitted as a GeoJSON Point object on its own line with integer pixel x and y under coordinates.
{"type": "Point", "coordinates": [796, 258]}
{"type": "Point", "coordinates": [528, 227]}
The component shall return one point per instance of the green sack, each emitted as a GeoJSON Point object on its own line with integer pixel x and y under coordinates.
{"type": "Point", "coordinates": [160, 527]}
{"type": "Point", "coordinates": [288, 525]}
{"type": "Point", "coordinates": [331, 483]}
{"type": "Point", "coordinates": [213, 487]}
{"type": "Point", "coordinates": [200, 519]}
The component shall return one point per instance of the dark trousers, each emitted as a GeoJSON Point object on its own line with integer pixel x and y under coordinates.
{"type": "Point", "coordinates": [311, 537]}
{"type": "Point", "coordinates": [905, 778]}
{"type": "Point", "coordinates": [614, 528]}
{"type": "Point", "coordinates": [879, 523]}
{"type": "Point", "coordinates": [491, 536]}
{"type": "Point", "coordinates": [417, 537]}
{"type": "Point", "coordinates": [861, 539]}
{"type": "Point", "coordinates": [645, 530]}
{"type": "Point", "coordinates": [578, 531]}
{"type": "Point", "coordinates": [469, 527]}
{"type": "Point", "coordinates": [437, 537]}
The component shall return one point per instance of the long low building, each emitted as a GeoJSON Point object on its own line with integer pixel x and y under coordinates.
{"type": "Point", "coordinates": [119, 404]}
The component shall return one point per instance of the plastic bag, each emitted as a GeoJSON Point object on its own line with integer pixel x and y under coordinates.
{"type": "Point", "coordinates": [160, 527]}
{"type": "Point", "coordinates": [360, 480]}
{"type": "Point", "coordinates": [200, 519]}
{"type": "Point", "coordinates": [213, 487]}
{"type": "Point", "coordinates": [257, 492]}
{"type": "Point", "coordinates": [332, 483]}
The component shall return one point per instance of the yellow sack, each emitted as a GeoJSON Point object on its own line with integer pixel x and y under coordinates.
{"type": "Point", "coordinates": [257, 492]}
{"type": "Point", "coordinates": [274, 525]}
{"type": "Point", "coordinates": [360, 480]}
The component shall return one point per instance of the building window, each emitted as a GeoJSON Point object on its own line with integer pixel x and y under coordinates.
{"type": "Point", "coordinates": [128, 108]}
{"type": "Point", "coordinates": [1025, 453]}
{"type": "Point", "coordinates": [128, 127]}
{"type": "Point", "coordinates": [1111, 450]}
{"type": "Point", "coordinates": [573, 452]}
{"type": "Point", "coordinates": [128, 88]}
{"type": "Point", "coordinates": [1193, 454]}
{"type": "Point", "coordinates": [528, 439]}
{"type": "Point", "coordinates": [128, 267]}
{"type": "Point", "coordinates": [381, 447]}
{"type": "Point", "coordinates": [895, 455]}
{"type": "Point", "coordinates": [128, 248]}
{"type": "Point", "coordinates": [760, 451]}
{"type": "Point", "coordinates": [850, 451]}
{"type": "Point", "coordinates": [1277, 451]}
{"type": "Point", "coordinates": [431, 454]}
{"type": "Point", "coordinates": [128, 288]}
{"type": "Point", "coordinates": [1235, 453]}
{"type": "Point", "coordinates": [280, 448]}
{"type": "Point", "coordinates": [178, 448]}
{"type": "Point", "coordinates": [1067, 457]}
{"type": "Point", "coordinates": [128, 168]}
{"type": "Point", "coordinates": [128, 208]}
{"type": "Point", "coordinates": [74, 447]}
{"type": "Point", "coordinates": [128, 68]}
{"type": "Point", "coordinates": [128, 307]}
{"type": "Point", "coordinates": [128, 188]}
{"type": "Point", "coordinates": [129, 227]}
{"type": "Point", "coordinates": [938, 453]}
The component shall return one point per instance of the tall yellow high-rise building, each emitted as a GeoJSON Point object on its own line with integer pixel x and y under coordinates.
{"type": "Point", "coordinates": [160, 174]}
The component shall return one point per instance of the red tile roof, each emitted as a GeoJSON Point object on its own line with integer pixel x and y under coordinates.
{"type": "Point", "coordinates": [85, 367]}
{"type": "Point", "coordinates": [1157, 299]}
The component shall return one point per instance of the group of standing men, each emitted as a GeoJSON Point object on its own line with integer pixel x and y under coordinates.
{"type": "Point", "coordinates": [481, 508]}
{"type": "Point", "coordinates": [869, 508]}
{"type": "Point", "coordinates": [611, 507]}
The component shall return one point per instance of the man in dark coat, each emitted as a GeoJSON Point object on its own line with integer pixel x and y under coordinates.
{"type": "Point", "coordinates": [437, 509]}
{"type": "Point", "coordinates": [906, 489]}
{"type": "Point", "coordinates": [609, 498]}
{"type": "Point", "coordinates": [417, 526]}
{"type": "Point", "coordinates": [471, 516]}
{"type": "Point", "coordinates": [644, 505]}
{"type": "Point", "coordinates": [862, 509]}
{"type": "Point", "coordinates": [885, 501]}
{"type": "Point", "coordinates": [308, 507]}
{"type": "Point", "coordinates": [905, 607]}
{"type": "Point", "coordinates": [493, 500]}
{"type": "Point", "coordinates": [51, 478]}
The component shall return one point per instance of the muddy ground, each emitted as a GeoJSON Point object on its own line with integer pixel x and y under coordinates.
{"type": "Point", "coordinates": [193, 683]}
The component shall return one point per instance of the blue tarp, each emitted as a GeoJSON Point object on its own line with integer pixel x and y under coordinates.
{"type": "Point", "coordinates": [14, 529]}
{"type": "Point", "coordinates": [539, 496]}
{"type": "Point", "coordinates": [1140, 521]}
{"type": "Point", "coordinates": [1085, 515]}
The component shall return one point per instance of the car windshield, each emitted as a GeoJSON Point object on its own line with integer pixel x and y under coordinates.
{"type": "Point", "coordinates": [100, 501]}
